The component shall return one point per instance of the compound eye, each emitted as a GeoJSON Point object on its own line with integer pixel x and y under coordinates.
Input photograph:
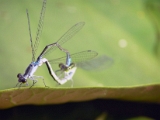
{"type": "Point", "coordinates": [60, 65]}
{"type": "Point", "coordinates": [19, 75]}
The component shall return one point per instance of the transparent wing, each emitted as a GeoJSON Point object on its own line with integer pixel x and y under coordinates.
{"type": "Point", "coordinates": [98, 63]}
{"type": "Point", "coordinates": [76, 57]}
{"type": "Point", "coordinates": [39, 28]}
{"type": "Point", "coordinates": [33, 55]}
{"type": "Point", "coordinates": [69, 34]}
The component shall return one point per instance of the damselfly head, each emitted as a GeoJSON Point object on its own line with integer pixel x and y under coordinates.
{"type": "Point", "coordinates": [21, 78]}
{"type": "Point", "coordinates": [62, 66]}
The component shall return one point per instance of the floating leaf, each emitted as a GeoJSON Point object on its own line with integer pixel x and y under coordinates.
{"type": "Point", "coordinates": [41, 96]}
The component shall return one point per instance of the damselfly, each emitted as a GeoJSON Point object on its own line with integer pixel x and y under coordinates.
{"type": "Point", "coordinates": [68, 69]}
{"type": "Point", "coordinates": [31, 69]}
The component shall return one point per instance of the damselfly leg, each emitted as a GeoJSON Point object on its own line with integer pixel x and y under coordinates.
{"type": "Point", "coordinates": [35, 80]}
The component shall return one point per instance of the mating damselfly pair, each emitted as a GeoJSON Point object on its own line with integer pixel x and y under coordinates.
{"type": "Point", "coordinates": [66, 69]}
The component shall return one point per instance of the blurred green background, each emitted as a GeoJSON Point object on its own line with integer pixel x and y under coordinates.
{"type": "Point", "coordinates": [125, 30]}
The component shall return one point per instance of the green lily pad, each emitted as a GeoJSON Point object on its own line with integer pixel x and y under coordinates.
{"type": "Point", "coordinates": [41, 96]}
